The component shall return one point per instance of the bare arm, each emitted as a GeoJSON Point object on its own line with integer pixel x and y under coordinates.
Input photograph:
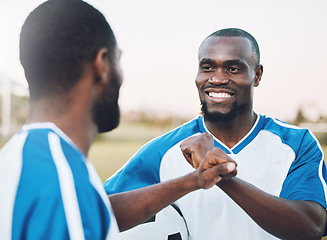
{"type": "Point", "coordinates": [286, 219]}
{"type": "Point", "coordinates": [134, 207]}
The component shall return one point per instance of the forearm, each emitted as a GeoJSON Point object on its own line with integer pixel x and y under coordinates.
{"type": "Point", "coordinates": [134, 207]}
{"type": "Point", "coordinates": [283, 218]}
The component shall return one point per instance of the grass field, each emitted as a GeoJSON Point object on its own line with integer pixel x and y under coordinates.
{"type": "Point", "coordinates": [108, 156]}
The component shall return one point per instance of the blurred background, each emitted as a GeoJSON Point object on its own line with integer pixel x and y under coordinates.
{"type": "Point", "coordinates": [160, 40]}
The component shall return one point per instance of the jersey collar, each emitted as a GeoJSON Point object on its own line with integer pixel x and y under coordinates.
{"type": "Point", "coordinates": [51, 126]}
{"type": "Point", "coordinates": [242, 143]}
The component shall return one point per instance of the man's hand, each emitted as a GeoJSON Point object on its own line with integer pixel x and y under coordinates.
{"type": "Point", "coordinates": [194, 148]}
{"type": "Point", "coordinates": [212, 164]}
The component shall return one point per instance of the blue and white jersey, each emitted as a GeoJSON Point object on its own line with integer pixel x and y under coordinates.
{"type": "Point", "coordinates": [278, 158]}
{"type": "Point", "coordinates": [49, 190]}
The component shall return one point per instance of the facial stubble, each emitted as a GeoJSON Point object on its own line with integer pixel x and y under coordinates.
{"type": "Point", "coordinates": [106, 113]}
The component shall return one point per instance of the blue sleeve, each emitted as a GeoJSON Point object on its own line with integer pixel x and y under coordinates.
{"type": "Point", "coordinates": [306, 179]}
{"type": "Point", "coordinates": [140, 171]}
{"type": "Point", "coordinates": [46, 220]}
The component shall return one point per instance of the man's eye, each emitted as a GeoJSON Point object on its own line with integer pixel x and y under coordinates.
{"type": "Point", "coordinates": [206, 68]}
{"type": "Point", "coordinates": [233, 69]}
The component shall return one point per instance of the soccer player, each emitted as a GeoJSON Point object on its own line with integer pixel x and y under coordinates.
{"type": "Point", "coordinates": [280, 188]}
{"type": "Point", "coordinates": [49, 190]}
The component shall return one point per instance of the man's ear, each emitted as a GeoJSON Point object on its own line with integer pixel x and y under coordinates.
{"type": "Point", "coordinates": [101, 65]}
{"type": "Point", "coordinates": [258, 75]}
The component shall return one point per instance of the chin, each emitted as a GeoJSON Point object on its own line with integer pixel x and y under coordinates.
{"type": "Point", "coordinates": [219, 116]}
{"type": "Point", "coordinates": [109, 122]}
{"type": "Point", "coordinates": [106, 117]}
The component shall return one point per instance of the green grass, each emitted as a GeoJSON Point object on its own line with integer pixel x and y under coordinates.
{"type": "Point", "coordinates": [324, 148]}
{"type": "Point", "coordinates": [108, 156]}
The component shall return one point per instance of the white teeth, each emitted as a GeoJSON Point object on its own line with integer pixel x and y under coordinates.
{"type": "Point", "coordinates": [219, 95]}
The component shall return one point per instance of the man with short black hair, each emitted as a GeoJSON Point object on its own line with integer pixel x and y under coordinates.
{"type": "Point", "coordinates": [51, 190]}
{"type": "Point", "coordinates": [280, 188]}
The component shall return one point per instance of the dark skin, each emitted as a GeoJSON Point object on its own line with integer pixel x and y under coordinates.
{"type": "Point", "coordinates": [228, 69]}
{"type": "Point", "coordinates": [134, 207]}
{"type": "Point", "coordinates": [283, 218]}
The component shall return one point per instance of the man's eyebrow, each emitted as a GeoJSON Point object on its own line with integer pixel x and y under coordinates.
{"type": "Point", "coordinates": [206, 61]}
{"type": "Point", "coordinates": [235, 62]}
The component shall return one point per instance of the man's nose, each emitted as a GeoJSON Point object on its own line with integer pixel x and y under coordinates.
{"type": "Point", "coordinates": [218, 78]}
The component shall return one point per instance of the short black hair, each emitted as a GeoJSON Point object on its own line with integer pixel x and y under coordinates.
{"type": "Point", "coordinates": [57, 39]}
{"type": "Point", "coordinates": [236, 32]}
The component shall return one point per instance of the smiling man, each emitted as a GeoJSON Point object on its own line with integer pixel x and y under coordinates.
{"type": "Point", "coordinates": [228, 71]}
{"type": "Point", "coordinates": [280, 187]}
{"type": "Point", "coordinates": [220, 58]}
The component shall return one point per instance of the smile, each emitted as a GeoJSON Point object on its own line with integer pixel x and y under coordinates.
{"type": "Point", "coordinates": [221, 95]}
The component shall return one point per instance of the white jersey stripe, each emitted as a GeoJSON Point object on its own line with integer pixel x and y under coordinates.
{"type": "Point", "coordinates": [67, 188]}
{"type": "Point", "coordinates": [97, 184]}
{"type": "Point", "coordinates": [321, 178]}
{"type": "Point", "coordinates": [10, 171]}
{"type": "Point", "coordinates": [284, 124]}
{"type": "Point", "coordinates": [49, 125]}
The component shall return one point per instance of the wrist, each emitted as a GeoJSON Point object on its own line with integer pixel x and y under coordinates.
{"type": "Point", "coordinates": [224, 182]}
{"type": "Point", "coordinates": [191, 181]}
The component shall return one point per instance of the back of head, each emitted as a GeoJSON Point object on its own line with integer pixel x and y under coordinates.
{"type": "Point", "coordinates": [57, 39]}
{"type": "Point", "coordinates": [236, 32]}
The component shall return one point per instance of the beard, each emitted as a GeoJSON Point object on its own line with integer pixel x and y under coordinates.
{"type": "Point", "coordinates": [106, 113]}
{"type": "Point", "coordinates": [235, 111]}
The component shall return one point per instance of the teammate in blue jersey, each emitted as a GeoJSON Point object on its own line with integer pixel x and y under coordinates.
{"type": "Point", "coordinates": [280, 187]}
{"type": "Point", "coordinates": [49, 190]}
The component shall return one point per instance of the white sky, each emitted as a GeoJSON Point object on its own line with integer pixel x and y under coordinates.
{"type": "Point", "coordinates": [160, 39]}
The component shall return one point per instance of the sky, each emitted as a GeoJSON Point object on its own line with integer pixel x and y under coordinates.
{"type": "Point", "coordinates": [160, 40]}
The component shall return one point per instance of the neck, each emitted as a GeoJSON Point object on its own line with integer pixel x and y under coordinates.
{"type": "Point", "coordinates": [232, 131]}
{"type": "Point", "coordinates": [76, 124]}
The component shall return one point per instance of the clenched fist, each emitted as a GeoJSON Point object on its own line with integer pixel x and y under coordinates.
{"type": "Point", "coordinates": [200, 152]}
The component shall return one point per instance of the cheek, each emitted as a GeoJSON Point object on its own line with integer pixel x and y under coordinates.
{"type": "Point", "coordinates": [247, 90]}
{"type": "Point", "coordinates": [200, 80]}
{"type": "Point", "coordinates": [120, 75]}
{"type": "Point", "coordinates": [245, 82]}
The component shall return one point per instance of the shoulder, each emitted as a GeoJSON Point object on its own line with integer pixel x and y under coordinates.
{"type": "Point", "coordinates": [295, 137]}
{"type": "Point", "coordinates": [281, 128]}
